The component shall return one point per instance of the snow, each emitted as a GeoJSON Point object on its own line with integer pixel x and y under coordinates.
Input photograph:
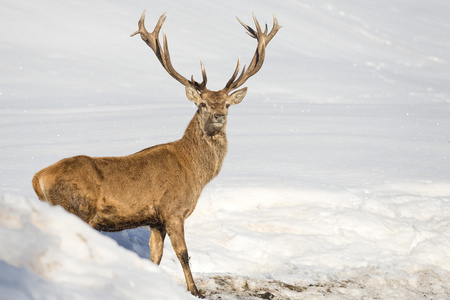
{"type": "Point", "coordinates": [337, 178]}
{"type": "Point", "coordinates": [52, 255]}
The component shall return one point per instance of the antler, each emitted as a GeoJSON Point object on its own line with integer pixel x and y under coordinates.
{"type": "Point", "coordinates": [258, 59]}
{"type": "Point", "coordinates": [152, 40]}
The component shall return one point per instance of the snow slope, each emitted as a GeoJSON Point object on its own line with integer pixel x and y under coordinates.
{"type": "Point", "coordinates": [48, 254]}
{"type": "Point", "coordinates": [337, 179]}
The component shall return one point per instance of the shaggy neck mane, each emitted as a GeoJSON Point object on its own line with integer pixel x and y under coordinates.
{"type": "Point", "coordinates": [206, 153]}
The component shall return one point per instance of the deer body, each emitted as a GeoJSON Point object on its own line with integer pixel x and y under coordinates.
{"type": "Point", "coordinates": [158, 186]}
{"type": "Point", "coordinates": [117, 193]}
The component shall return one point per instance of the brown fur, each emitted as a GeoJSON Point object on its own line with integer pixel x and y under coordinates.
{"type": "Point", "coordinates": [158, 186]}
{"type": "Point", "coordinates": [116, 193]}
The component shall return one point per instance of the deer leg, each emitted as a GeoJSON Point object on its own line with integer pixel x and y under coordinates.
{"type": "Point", "coordinates": [176, 234]}
{"type": "Point", "coordinates": [157, 236]}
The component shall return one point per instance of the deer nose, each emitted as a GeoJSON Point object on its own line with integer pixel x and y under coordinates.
{"type": "Point", "coordinates": [220, 117]}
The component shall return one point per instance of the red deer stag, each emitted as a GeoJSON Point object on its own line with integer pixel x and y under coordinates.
{"type": "Point", "coordinates": [158, 186]}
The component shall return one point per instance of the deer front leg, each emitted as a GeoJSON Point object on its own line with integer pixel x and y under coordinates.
{"type": "Point", "coordinates": [176, 234]}
{"type": "Point", "coordinates": [157, 236]}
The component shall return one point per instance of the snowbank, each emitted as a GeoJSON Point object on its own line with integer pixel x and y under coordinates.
{"type": "Point", "coordinates": [47, 253]}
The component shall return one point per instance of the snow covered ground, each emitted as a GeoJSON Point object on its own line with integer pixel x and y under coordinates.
{"type": "Point", "coordinates": [337, 180]}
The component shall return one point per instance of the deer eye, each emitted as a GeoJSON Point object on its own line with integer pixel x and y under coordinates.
{"type": "Point", "coordinates": [227, 105]}
{"type": "Point", "coordinates": [203, 104]}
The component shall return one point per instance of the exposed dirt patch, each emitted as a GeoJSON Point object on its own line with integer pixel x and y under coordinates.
{"type": "Point", "coordinates": [231, 287]}
{"type": "Point", "coordinates": [364, 283]}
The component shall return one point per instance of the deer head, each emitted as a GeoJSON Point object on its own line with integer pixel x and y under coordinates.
{"type": "Point", "coordinates": [212, 105]}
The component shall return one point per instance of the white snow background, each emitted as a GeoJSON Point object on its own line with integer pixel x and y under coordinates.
{"type": "Point", "coordinates": [337, 179]}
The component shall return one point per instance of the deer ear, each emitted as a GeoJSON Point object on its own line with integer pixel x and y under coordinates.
{"type": "Point", "coordinates": [193, 95]}
{"type": "Point", "coordinates": [237, 96]}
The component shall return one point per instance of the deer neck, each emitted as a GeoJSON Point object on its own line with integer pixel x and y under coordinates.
{"type": "Point", "coordinates": [206, 153]}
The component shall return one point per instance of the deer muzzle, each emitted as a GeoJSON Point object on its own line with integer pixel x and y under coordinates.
{"type": "Point", "coordinates": [220, 118]}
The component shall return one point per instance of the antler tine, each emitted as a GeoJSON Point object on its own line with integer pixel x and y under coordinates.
{"type": "Point", "coordinates": [258, 58]}
{"type": "Point", "coordinates": [250, 31]}
{"type": "Point", "coordinates": [258, 28]}
{"type": "Point", "coordinates": [168, 63]}
{"type": "Point", "coordinates": [205, 79]}
{"type": "Point", "coordinates": [152, 40]}
{"type": "Point", "coordinates": [143, 31]}
{"type": "Point", "coordinates": [275, 28]}
{"type": "Point", "coordinates": [141, 25]}
{"type": "Point", "coordinates": [241, 76]}
{"type": "Point", "coordinates": [200, 86]}
{"type": "Point", "coordinates": [236, 71]}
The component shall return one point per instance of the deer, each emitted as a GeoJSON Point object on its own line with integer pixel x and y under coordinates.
{"type": "Point", "coordinates": [159, 186]}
